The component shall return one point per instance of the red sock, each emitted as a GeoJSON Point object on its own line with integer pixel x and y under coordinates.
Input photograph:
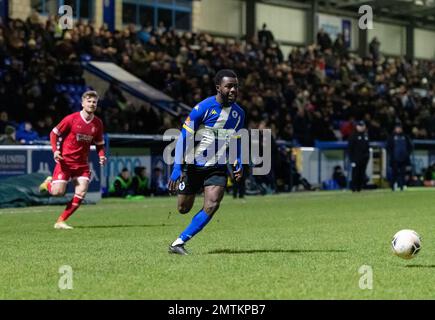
{"type": "Point", "coordinates": [49, 187]}
{"type": "Point", "coordinates": [72, 206]}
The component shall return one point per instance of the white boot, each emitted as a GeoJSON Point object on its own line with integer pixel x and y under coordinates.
{"type": "Point", "coordinates": [62, 225]}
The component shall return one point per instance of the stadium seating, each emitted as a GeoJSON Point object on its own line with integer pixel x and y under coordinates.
{"type": "Point", "coordinates": [309, 95]}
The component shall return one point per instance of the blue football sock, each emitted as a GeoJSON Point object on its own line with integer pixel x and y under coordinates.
{"type": "Point", "coordinates": [199, 221]}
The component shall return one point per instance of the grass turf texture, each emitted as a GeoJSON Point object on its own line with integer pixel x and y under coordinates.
{"type": "Point", "coordinates": [293, 246]}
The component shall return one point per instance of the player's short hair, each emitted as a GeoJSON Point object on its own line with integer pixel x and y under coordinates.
{"type": "Point", "coordinates": [90, 94]}
{"type": "Point", "coordinates": [222, 74]}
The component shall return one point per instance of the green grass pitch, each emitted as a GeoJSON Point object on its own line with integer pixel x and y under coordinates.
{"type": "Point", "coordinates": [292, 246]}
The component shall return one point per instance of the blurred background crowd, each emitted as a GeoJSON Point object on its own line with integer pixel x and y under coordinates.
{"type": "Point", "coordinates": [315, 93]}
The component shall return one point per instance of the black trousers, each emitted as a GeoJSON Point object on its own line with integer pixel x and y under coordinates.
{"type": "Point", "coordinates": [239, 187]}
{"type": "Point", "coordinates": [398, 174]}
{"type": "Point", "coordinates": [359, 175]}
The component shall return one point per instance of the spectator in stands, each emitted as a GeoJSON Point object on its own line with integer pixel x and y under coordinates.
{"type": "Point", "coordinates": [179, 63]}
{"type": "Point", "coordinates": [374, 48]}
{"type": "Point", "coordinates": [347, 128]}
{"type": "Point", "coordinates": [121, 186]}
{"type": "Point", "coordinates": [302, 127]}
{"type": "Point", "coordinates": [9, 137]}
{"type": "Point", "coordinates": [323, 40]}
{"type": "Point", "coordinates": [399, 149]}
{"type": "Point", "coordinates": [43, 126]}
{"type": "Point", "coordinates": [339, 45]}
{"type": "Point", "coordinates": [4, 121]}
{"type": "Point", "coordinates": [159, 185]}
{"type": "Point", "coordinates": [140, 182]}
{"type": "Point", "coordinates": [161, 29]}
{"type": "Point", "coordinates": [265, 36]}
{"type": "Point", "coordinates": [144, 34]}
{"type": "Point", "coordinates": [26, 134]}
{"type": "Point", "coordinates": [114, 97]}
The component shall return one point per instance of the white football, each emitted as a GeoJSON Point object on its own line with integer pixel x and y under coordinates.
{"type": "Point", "coordinates": [406, 244]}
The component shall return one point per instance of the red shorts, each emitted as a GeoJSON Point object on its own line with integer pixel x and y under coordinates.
{"type": "Point", "coordinates": [63, 172]}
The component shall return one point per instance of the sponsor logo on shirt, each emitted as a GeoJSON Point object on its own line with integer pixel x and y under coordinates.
{"type": "Point", "coordinates": [84, 137]}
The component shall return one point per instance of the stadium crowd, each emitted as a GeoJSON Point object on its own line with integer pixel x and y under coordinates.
{"type": "Point", "coordinates": [316, 93]}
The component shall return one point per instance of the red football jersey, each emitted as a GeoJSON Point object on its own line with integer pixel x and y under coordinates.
{"type": "Point", "coordinates": [77, 136]}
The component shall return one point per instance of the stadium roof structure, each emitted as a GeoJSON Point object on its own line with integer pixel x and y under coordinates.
{"type": "Point", "coordinates": [420, 13]}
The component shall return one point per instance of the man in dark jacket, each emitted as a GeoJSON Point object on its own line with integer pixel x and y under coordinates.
{"type": "Point", "coordinates": [399, 149]}
{"type": "Point", "coordinates": [359, 154]}
{"type": "Point", "coordinates": [265, 36]}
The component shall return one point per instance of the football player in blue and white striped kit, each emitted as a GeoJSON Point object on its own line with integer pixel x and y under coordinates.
{"type": "Point", "coordinates": [209, 130]}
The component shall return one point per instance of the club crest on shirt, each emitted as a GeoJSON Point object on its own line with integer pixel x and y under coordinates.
{"type": "Point", "coordinates": [181, 186]}
{"type": "Point", "coordinates": [235, 114]}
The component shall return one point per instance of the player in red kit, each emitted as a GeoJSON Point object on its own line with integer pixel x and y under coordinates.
{"type": "Point", "coordinates": [70, 141]}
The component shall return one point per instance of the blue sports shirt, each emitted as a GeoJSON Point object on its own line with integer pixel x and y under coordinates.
{"type": "Point", "coordinates": [212, 127]}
